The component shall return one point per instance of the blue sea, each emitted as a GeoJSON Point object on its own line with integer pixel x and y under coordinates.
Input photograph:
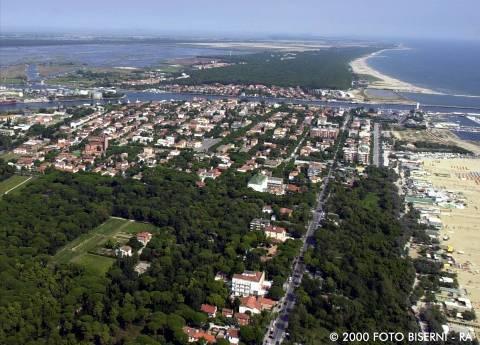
{"type": "Point", "coordinates": [452, 68]}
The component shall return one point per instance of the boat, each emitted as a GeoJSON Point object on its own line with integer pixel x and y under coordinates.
{"type": "Point", "coordinates": [8, 101]}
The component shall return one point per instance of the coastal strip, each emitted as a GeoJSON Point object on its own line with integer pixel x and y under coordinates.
{"type": "Point", "coordinates": [360, 66]}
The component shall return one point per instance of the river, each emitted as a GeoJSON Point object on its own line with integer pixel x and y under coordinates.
{"type": "Point", "coordinates": [150, 96]}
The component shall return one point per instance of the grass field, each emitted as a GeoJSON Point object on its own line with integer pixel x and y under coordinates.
{"type": "Point", "coordinates": [80, 250]}
{"type": "Point", "coordinates": [95, 264]}
{"type": "Point", "coordinates": [12, 182]}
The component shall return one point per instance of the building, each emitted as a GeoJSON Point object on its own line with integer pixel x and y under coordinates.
{"type": "Point", "coordinates": [275, 185]}
{"type": "Point", "coordinates": [364, 154]}
{"type": "Point", "coordinates": [242, 319]}
{"type": "Point", "coordinates": [233, 336]}
{"type": "Point", "coordinates": [255, 305]}
{"type": "Point", "coordinates": [459, 304]}
{"type": "Point", "coordinates": [276, 232]}
{"type": "Point", "coordinates": [96, 146]}
{"type": "Point", "coordinates": [250, 283]}
{"type": "Point", "coordinates": [210, 310]}
{"type": "Point", "coordinates": [259, 224]}
{"type": "Point", "coordinates": [228, 313]}
{"type": "Point", "coordinates": [195, 335]}
{"type": "Point", "coordinates": [144, 237]}
{"type": "Point", "coordinates": [124, 251]}
{"type": "Point", "coordinates": [330, 132]}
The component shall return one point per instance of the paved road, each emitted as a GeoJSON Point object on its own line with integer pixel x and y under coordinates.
{"type": "Point", "coordinates": [376, 144]}
{"type": "Point", "coordinates": [277, 328]}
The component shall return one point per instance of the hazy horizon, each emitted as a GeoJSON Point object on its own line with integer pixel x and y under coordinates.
{"type": "Point", "coordinates": [373, 19]}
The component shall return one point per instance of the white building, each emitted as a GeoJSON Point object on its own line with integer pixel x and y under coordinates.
{"type": "Point", "coordinates": [250, 283]}
{"type": "Point", "coordinates": [276, 232]}
{"type": "Point", "coordinates": [124, 251]}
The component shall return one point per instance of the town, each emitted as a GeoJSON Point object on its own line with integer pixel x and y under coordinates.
{"type": "Point", "coordinates": [282, 150]}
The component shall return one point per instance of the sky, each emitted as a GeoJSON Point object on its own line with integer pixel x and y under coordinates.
{"type": "Point", "coordinates": [440, 19]}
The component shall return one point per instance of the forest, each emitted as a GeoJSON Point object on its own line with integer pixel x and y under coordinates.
{"type": "Point", "coordinates": [204, 231]}
{"type": "Point", "coordinates": [5, 170]}
{"type": "Point", "coordinates": [326, 68]}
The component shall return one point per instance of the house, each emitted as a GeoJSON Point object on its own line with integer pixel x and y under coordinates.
{"type": "Point", "coordinates": [228, 313]}
{"type": "Point", "coordinates": [210, 310]}
{"type": "Point", "coordinates": [242, 319]}
{"type": "Point", "coordinates": [195, 335]}
{"type": "Point", "coordinates": [267, 209]}
{"type": "Point", "coordinates": [250, 283]}
{"type": "Point", "coordinates": [144, 237]}
{"type": "Point", "coordinates": [293, 188]}
{"type": "Point", "coordinates": [460, 304]}
{"type": "Point", "coordinates": [96, 146]}
{"type": "Point", "coordinates": [255, 305]}
{"type": "Point", "coordinates": [233, 336]}
{"type": "Point", "coordinates": [259, 224]}
{"type": "Point", "coordinates": [275, 185]}
{"type": "Point", "coordinates": [276, 232]}
{"type": "Point", "coordinates": [124, 251]}
{"type": "Point", "coordinates": [258, 183]}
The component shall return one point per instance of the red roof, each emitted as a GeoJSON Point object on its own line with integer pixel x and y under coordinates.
{"type": "Point", "coordinates": [259, 303]}
{"type": "Point", "coordinates": [144, 234]}
{"type": "Point", "coordinates": [233, 333]}
{"type": "Point", "coordinates": [242, 317]}
{"type": "Point", "coordinates": [251, 276]}
{"type": "Point", "coordinates": [198, 334]}
{"type": "Point", "coordinates": [209, 309]}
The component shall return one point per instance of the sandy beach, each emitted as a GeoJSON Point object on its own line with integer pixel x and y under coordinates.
{"type": "Point", "coordinates": [360, 66]}
{"type": "Point", "coordinates": [461, 225]}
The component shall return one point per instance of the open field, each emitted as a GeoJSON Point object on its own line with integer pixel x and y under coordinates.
{"type": "Point", "coordinates": [461, 225]}
{"type": "Point", "coordinates": [47, 70]}
{"type": "Point", "coordinates": [440, 136]}
{"type": "Point", "coordinates": [13, 74]}
{"type": "Point", "coordinates": [82, 249]}
{"type": "Point", "coordinates": [13, 183]}
{"type": "Point", "coordinates": [95, 264]}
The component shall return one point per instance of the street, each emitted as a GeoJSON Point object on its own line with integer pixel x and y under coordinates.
{"type": "Point", "coordinates": [277, 329]}
{"type": "Point", "coordinates": [376, 144]}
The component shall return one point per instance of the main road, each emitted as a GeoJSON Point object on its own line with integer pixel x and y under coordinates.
{"type": "Point", "coordinates": [376, 144]}
{"type": "Point", "coordinates": [278, 326]}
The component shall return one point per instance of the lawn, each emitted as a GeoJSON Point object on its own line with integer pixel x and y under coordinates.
{"type": "Point", "coordinates": [81, 249]}
{"type": "Point", "coordinates": [95, 264]}
{"type": "Point", "coordinates": [90, 241]}
{"type": "Point", "coordinates": [12, 182]}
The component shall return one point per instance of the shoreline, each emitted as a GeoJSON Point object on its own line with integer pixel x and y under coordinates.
{"type": "Point", "coordinates": [385, 82]}
{"type": "Point", "coordinates": [461, 225]}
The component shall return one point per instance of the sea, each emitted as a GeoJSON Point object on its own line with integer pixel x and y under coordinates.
{"type": "Point", "coordinates": [451, 68]}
